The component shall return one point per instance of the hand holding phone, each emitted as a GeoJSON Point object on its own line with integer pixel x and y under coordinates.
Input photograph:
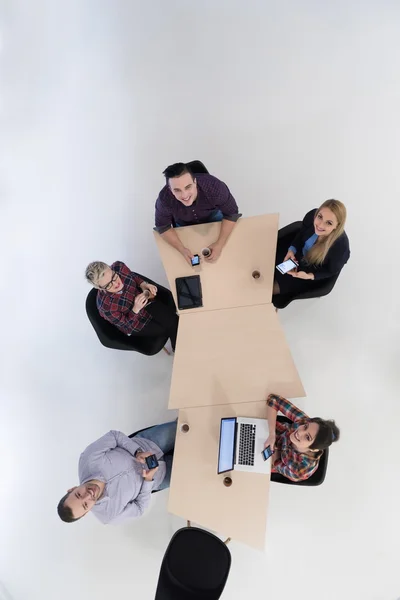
{"type": "Point", "coordinates": [151, 461]}
{"type": "Point", "coordinates": [267, 453]}
{"type": "Point", "coordinates": [286, 266]}
{"type": "Point", "coordinates": [149, 475]}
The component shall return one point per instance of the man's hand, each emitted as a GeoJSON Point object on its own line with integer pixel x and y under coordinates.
{"type": "Point", "coordinates": [301, 274]}
{"type": "Point", "coordinates": [216, 250]}
{"type": "Point", "coordinates": [270, 441]}
{"type": "Point", "coordinates": [141, 456]}
{"type": "Point", "coordinates": [149, 475]}
{"type": "Point", "coordinates": [148, 286]}
{"type": "Point", "coordinates": [140, 302]}
{"type": "Point", "coordinates": [187, 255]}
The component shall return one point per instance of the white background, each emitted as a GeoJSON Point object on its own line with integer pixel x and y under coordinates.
{"type": "Point", "coordinates": [290, 103]}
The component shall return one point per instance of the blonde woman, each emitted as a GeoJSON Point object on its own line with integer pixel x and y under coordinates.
{"type": "Point", "coordinates": [321, 249]}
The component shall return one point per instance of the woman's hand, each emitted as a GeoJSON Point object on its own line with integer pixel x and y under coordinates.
{"type": "Point", "coordinates": [290, 254]}
{"type": "Point", "coordinates": [140, 302]}
{"type": "Point", "coordinates": [148, 286]}
{"type": "Point", "coordinates": [270, 441]}
{"type": "Point", "coordinates": [301, 274]}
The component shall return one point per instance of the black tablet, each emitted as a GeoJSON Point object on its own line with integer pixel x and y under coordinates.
{"type": "Point", "coordinates": [188, 291]}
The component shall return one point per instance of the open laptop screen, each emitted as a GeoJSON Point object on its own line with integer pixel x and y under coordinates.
{"type": "Point", "coordinates": [226, 445]}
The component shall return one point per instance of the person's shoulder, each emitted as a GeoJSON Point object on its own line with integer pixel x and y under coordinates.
{"type": "Point", "coordinates": [118, 265]}
{"type": "Point", "coordinates": [342, 243]}
{"type": "Point", "coordinates": [101, 510]}
{"type": "Point", "coordinates": [101, 298]}
{"type": "Point", "coordinates": [164, 195]}
{"type": "Point", "coordinates": [207, 179]}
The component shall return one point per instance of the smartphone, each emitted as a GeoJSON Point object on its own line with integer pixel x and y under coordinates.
{"type": "Point", "coordinates": [195, 260]}
{"type": "Point", "coordinates": [151, 461]}
{"type": "Point", "coordinates": [267, 452]}
{"type": "Point", "coordinates": [286, 266]}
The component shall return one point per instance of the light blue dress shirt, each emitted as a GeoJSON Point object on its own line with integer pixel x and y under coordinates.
{"type": "Point", "coordinates": [307, 244]}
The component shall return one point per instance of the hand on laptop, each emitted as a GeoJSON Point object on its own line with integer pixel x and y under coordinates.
{"type": "Point", "coordinates": [270, 441]}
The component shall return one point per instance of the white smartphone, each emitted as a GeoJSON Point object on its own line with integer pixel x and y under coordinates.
{"type": "Point", "coordinates": [286, 266]}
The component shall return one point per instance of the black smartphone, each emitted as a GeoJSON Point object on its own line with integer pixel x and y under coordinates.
{"type": "Point", "coordinates": [195, 260]}
{"type": "Point", "coordinates": [267, 452]}
{"type": "Point", "coordinates": [151, 461]}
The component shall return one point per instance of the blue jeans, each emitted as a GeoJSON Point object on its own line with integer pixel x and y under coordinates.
{"type": "Point", "coordinates": [164, 436]}
{"type": "Point", "coordinates": [214, 217]}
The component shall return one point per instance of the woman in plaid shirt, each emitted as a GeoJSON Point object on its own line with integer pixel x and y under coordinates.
{"type": "Point", "coordinates": [297, 446]}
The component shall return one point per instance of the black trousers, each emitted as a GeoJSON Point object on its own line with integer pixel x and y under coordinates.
{"type": "Point", "coordinates": [164, 318]}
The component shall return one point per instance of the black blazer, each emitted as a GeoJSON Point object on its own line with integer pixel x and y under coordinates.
{"type": "Point", "coordinates": [337, 256]}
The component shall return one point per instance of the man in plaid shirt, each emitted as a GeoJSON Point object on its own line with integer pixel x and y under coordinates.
{"type": "Point", "coordinates": [130, 303]}
{"type": "Point", "coordinates": [297, 446]}
{"type": "Point", "coordinates": [190, 199]}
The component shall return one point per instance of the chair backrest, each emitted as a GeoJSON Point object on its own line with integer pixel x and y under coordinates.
{"type": "Point", "coordinates": [316, 478]}
{"type": "Point", "coordinates": [289, 230]}
{"type": "Point", "coordinates": [196, 166]}
{"type": "Point", "coordinates": [196, 565]}
{"type": "Point", "coordinates": [109, 335]}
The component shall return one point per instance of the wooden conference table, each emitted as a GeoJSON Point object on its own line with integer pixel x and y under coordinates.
{"type": "Point", "coordinates": [230, 354]}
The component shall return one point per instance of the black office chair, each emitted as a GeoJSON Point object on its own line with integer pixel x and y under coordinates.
{"type": "Point", "coordinates": [111, 337]}
{"type": "Point", "coordinates": [196, 166]}
{"type": "Point", "coordinates": [316, 478]}
{"type": "Point", "coordinates": [195, 566]}
{"type": "Point", "coordinates": [322, 288]}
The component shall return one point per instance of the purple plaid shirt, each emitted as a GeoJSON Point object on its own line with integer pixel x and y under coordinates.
{"type": "Point", "coordinates": [117, 308]}
{"type": "Point", "coordinates": [212, 195]}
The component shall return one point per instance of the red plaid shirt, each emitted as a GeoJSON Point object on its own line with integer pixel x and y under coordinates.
{"type": "Point", "coordinates": [117, 308]}
{"type": "Point", "coordinates": [292, 464]}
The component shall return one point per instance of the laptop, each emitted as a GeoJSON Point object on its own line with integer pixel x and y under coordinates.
{"type": "Point", "coordinates": [241, 442]}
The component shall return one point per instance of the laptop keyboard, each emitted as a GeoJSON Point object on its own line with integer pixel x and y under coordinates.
{"type": "Point", "coordinates": [247, 440]}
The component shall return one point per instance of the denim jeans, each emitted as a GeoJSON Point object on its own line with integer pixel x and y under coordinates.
{"type": "Point", "coordinates": [214, 217]}
{"type": "Point", "coordinates": [164, 436]}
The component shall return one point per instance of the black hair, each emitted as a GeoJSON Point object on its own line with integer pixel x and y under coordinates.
{"type": "Point", "coordinates": [327, 433]}
{"type": "Point", "coordinates": [176, 170]}
{"type": "Point", "coordinates": [64, 512]}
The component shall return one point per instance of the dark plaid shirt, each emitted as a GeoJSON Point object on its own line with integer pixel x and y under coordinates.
{"type": "Point", "coordinates": [212, 195]}
{"type": "Point", "coordinates": [291, 463]}
{"type": "Point", "coordinates": [117, 308]}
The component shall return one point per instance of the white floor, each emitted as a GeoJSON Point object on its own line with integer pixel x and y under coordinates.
{"type": "Point", "coordinates": [290, 103]}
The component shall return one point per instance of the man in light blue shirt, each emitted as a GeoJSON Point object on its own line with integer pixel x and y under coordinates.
{"type": "Point", "coordinates": [114, 482]}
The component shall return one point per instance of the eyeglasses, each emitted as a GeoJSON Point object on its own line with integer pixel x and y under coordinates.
{"type": "Point", "coordinates": [110, 283]}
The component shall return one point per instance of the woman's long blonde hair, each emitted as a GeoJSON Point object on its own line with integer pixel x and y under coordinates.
{"type": "Point", "coordinates": [317, 253]}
